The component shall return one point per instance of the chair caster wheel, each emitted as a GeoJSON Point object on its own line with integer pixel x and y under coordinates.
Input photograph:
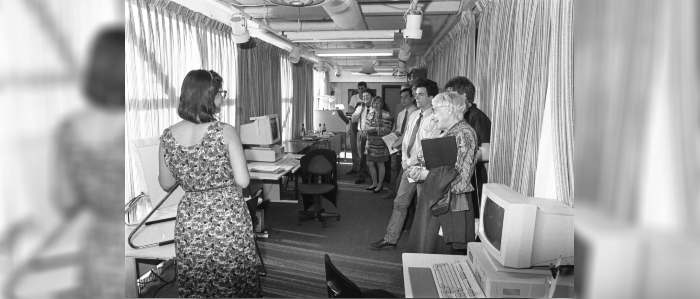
{"type": "Point", "coordinates": [337, 218]}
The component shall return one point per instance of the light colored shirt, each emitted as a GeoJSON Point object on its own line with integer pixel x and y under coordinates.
{"type": "Point", "coordinates": [427, 129]}
{"type": "Point", "coordinates": [400, 119]}
{"type": "Point", "coordinates": [358, 111]}
{"type": "Point", "coordinates": [362, 122]}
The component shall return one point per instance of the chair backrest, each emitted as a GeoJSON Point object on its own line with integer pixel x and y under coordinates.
{"type": "Point", "coordinates": [145, 153]}
{"type": "Point", "coordinates": [313, 165]}
{"type": "Point", "coordinates": [337, 285]}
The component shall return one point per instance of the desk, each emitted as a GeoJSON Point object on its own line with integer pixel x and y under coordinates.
{"type": "Point", "coordinates": [297, 145]}
{"type": "Point", "coordinates": [270, 182]}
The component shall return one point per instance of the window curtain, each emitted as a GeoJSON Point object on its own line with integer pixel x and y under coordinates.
{"type": "Point", "coordinates": [259, 80]}
{"type": "Point", "coordinates": [513, 66]}
{"type": "Point", "coordinates": [617, 64]}
{"type": "Point", "coordinates": [303, 99]}
{"type": "Point", "coordinates": [165, 41]}
{"type": "Point", "coordinates": [455, 54]}
{"type": "Point", "coordinates": [561, 100]}
{"type": "Point", "coordinates": [287, 99]}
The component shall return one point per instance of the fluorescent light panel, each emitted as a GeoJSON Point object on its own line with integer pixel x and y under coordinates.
{"type": "Point", "coordinates": [353, 52]}
{"type": "Point", "coordinates": [341, 36]}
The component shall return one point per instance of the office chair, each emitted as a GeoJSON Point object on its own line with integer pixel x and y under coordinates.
{"type": "Point", "coordinates": [252, 204]}
{"type": "Point", "coordinates": [319, 173]}
{"type": "Point", "coordinates": [339, 286]}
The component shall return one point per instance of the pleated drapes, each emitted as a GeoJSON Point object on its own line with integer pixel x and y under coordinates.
{"type": "Point", "coordinates": [165, 41]}
{"type": "Point", "coordinates": [454, 55]}
{"type": "Point", "coordinates": [560, 97]}
{"type": "Point", "coordinates": [302, 108]}
{"type": "Point", "coordinates": [513, 78]}
{"type": "Point", "coordinates": [259, 80]}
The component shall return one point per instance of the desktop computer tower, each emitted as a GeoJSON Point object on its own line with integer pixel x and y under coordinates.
{"type": "Point", "coordinates": [497, 281]}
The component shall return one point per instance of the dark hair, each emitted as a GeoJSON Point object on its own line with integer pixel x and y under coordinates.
{"type": "Point", "coordinates": [362, 83]}
{"type": "Point", "coordinates": [199, 90]}
{"type": "Point", "coordinates": [417, 81]}
{"type": "Point", "coordinates": [462, 85]}
{"type": "Point", "coordinates": [430, 87]}
{"type": "Point", "coordinates": [410, 92]}
{"type": "Point", "coordinates": [370, 92]}
{"type": "Point", "coordinates": [104, 76]}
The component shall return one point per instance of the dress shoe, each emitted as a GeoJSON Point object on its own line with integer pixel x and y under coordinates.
{"type": "Point", "coordinates": [370, 188]}
{"type": "Point", "coordinates": [352, 171]}
{"type": "Point", "coordinates": [388, 196]}
{"type": "Point", "coordinates": [380, 190]}
{"type": "Point", "coordinates": [381, 245]}
{"type": "Point", "coordinates": [359, 181]}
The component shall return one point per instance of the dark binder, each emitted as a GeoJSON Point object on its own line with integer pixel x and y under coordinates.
{"type": "Point", "coordinates": [341, 114]}
{"type": "Point", "coordinates": [439, 152]}
{"type": "Point", "coordinates": [422, 283]}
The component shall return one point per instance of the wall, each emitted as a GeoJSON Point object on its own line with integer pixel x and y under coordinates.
{"type": "Point", "coordinates": [341, 87]}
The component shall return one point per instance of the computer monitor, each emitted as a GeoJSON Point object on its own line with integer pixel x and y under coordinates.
{"type": "Point", "coordinates": [523, 232]}
{"type": "Point", "coordinates": [264, 130]}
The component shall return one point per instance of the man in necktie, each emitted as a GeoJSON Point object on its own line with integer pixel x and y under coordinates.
{"type": "Point", "coordinates": [355, 102]}
{"type": "Point", "coordinates": [409, 105]}
{"type": "Point", "coordinates": [361, 113]}
{"type": "Point", "coordinates": [418, 127]}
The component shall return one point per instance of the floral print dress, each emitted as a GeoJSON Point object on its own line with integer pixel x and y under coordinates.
{"type": "Point", "coordinates": [214, 245]}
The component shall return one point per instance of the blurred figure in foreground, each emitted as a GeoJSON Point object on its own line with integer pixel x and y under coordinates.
{"type": "Point", "coordinates": [89, 178]}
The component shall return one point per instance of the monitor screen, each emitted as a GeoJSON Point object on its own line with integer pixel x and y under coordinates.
{"type": "Point", "coordinates": [274, 127]}
{"type": "Point", "coordinates": [493, 223]}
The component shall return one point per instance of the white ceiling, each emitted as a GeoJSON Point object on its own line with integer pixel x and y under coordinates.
{"type": "Point", "coordinates": [438, 17]}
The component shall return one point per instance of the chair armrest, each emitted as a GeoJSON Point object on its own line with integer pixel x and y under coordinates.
{"type": "Point", "coordinates": [334, 288]}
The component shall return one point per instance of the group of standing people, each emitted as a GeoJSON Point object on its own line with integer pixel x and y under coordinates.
{"type": "Point", "coordinates": [429, 114]}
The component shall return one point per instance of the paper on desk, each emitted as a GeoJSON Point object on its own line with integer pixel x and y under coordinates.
{"type": "Point", "coordinates": [389, 140]}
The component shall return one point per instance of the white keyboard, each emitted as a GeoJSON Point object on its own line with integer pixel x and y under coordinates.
{"type": "Point", "coordinates": [288, 161]}
{"type": "Point", "coordinates": [456, 280]}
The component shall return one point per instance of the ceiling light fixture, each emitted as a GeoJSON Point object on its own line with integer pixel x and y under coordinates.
{"type": "Point", "coordinates": [405, 52]}
{"type": "Point", "coordinates": [353, 52]}
{"type": "Point", "coordinates": [239, 32]}
{"type": "Point", "coordinates": [413, 18]}
{"type": "Point", "coordinates": [368, 69]}
{"type": "Point", "coordinates": [341, 36]}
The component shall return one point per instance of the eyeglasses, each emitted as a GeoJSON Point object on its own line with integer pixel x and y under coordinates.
{"type": "Point", "coordinates": [223, 93]}
{"type": "Point", "coordinates": [434, 108]}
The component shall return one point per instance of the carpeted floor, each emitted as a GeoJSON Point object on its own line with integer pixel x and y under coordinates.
{"type": "Point", "coordinates": [293, 255]}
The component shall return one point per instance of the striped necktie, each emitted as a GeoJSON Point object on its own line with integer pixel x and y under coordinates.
{"type": "Point", "coordinates": [413, 135]}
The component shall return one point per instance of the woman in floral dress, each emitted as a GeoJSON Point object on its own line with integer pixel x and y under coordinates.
{"type": "Point", "coordinates": [214, 245]}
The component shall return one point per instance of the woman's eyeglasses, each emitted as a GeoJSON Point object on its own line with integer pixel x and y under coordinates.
{"type": "Point", "coordinates": [223, 93]}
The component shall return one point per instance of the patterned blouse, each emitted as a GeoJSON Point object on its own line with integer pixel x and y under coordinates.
{"type": "Point", "coordinates": [465, 136]}
{"type": "Point", "coordinates": [382, 122]}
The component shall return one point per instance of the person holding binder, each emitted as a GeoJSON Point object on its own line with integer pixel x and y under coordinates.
{"type": "Point", "coordinates": [458, 222]}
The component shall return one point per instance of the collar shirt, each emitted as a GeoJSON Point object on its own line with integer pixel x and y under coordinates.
{"type": "Point", "coordinates": [428, 129]}
{"type": "Point", "coordinates": [400, 119]}
{"type": "Point", "coordinates": [362, 122]}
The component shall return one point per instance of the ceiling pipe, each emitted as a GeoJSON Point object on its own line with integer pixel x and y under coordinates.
{"type": "Point", "coordinates": [348, 16]}
{"type": "Point", "coordinates": [292, 26]}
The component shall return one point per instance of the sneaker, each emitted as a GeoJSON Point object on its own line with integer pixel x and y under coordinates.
{"type": "Point", "coordinates": [359, 181]}
{"type": "Point", "coordinates": [352, 171]}
{"type": "Point", "coordinates": [381, 245]}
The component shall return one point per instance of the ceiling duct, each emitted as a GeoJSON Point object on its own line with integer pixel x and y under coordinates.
{"type": "Point", "coordinates": [368, 68]}
{"type": "Point", "coordinates": [298, 3]}
{"type": "Point", "coordinates": [348, 16]}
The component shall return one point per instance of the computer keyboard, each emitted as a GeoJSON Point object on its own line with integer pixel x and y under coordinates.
{"type": "Point", "coordinates": [287, 161]}
{"type": "Point", "coordinates": [455, 280]}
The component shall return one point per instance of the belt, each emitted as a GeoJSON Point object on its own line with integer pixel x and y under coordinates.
{"type": "Point", "coordinates": [210, 189]}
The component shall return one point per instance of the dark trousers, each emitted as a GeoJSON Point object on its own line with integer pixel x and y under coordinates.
{"type": "Point", "coordinates": [353, 146]}
{"type": "Point", "coordinates": [424, 236]}
{"type": "Point", "coordinates": [362, 167]}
